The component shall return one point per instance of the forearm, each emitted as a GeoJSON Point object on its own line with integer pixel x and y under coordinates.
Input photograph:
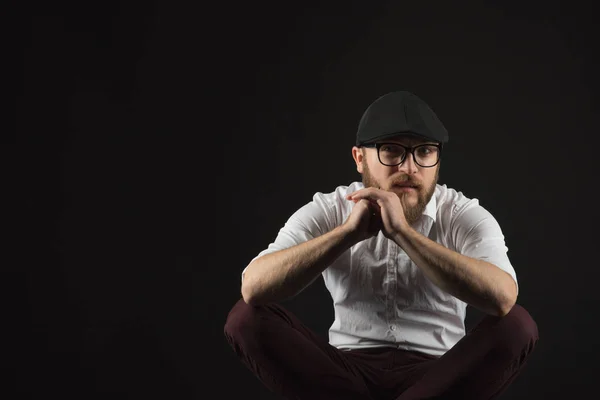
{"type": "Point", "coordinates": [285, 273]}
{"type": "Point", "coordinates": [476, 282]}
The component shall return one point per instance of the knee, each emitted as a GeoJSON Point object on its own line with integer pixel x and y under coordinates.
{"type": "Point", "coordinates": [519, 329]}
{"type": "Point", "coordinates": [237, 316]}
{"type": "Point", "coordinates": [242, 318]}
{"type": "Point", "coordinates": [523, 321]}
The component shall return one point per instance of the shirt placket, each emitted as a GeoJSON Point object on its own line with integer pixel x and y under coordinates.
{"type": "Point", "coordinates": [392, 278]}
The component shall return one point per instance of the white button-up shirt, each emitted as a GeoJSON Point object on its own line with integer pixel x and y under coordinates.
{"type": "Point", "coordinates": [380, 297]}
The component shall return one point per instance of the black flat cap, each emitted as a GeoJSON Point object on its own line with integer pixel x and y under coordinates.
{"type": "Point", "coordinates": [396, 113]}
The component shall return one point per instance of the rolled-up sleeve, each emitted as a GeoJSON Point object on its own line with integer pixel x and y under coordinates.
{"type": "Point", "coordinates": [308, 222]}
{"type": "Point", "coordinates": [478, 234]}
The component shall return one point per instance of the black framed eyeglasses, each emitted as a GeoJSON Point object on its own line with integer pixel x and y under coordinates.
{"type": "Point", "coordinates": [393, 154]}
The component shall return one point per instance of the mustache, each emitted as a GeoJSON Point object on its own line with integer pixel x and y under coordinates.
{"type": "Point", "coordinates": [404, 181]}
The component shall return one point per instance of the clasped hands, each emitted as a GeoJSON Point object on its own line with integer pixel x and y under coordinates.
{"type": "Point", "coordinates": [376, 210]}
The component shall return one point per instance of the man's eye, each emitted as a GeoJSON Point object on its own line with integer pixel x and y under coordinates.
{"type": "Point", "coordinates": [392, 149]}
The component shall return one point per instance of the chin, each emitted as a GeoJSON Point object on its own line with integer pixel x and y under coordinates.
{"type": "Point", "coordinates": [408, 195]}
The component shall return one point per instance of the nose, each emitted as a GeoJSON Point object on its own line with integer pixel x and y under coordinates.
{"type": "Point", "coordinates": [408, 166]}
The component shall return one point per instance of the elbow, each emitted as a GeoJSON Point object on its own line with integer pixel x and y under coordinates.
{"type": "Point", "coordinates": [250, 300]}
{"type": "Point", "coordinates": [249, 289]}
{"type": "Point", "coordinates": [507, 303]}
{"type": "Point", "coordinates": [505, 308]}
{"type": "Point", "coordinates": [260, 296]}
{"type": "Point", "coordinates": [251, 295]}
{"type": "Point", "coordinates": [248, 294]}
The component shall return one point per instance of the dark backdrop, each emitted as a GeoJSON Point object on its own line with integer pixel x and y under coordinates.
{"type": "Point", "coordinates": [161, 145]}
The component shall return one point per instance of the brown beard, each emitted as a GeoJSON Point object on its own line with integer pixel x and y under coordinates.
{"type": "Point", "coordinates": [424, 194]}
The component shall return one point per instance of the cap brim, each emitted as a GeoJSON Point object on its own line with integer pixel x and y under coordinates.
{"type": "Point", "coordinates": [392, 134]}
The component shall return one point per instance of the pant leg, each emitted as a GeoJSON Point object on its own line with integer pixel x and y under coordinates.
{"type": "Point", "coordinates": [483, 363]}
{"type": "Point", "coordinates": [288, 358]}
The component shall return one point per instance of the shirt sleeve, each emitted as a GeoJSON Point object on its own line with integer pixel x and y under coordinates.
{"type": "Point", "coordinates": [478, 235]}
{"type": "Point", "coordinates": [308, 222]}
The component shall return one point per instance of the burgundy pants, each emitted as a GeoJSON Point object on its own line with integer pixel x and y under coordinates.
{"type": "Point", "coordinates": [293, 361]}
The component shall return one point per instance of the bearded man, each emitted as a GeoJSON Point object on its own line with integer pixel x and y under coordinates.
{"type": "Point", "coordinates": [402, 256]}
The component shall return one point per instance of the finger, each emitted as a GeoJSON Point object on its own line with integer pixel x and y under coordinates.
{"type": "Point", "coordinates": [358, 192]}
{"type": "Point", "coordinates": [371, 205]}
{"type": "Point", "coordinates": [368, 194]}
{"type": "Point", "coordinates": [371, 208]}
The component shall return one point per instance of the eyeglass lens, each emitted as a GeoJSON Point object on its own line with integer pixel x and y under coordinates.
{"type": "Point", "coordinates": [393, 154]}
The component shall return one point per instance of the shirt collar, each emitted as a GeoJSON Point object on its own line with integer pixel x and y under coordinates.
{"type": "Point", "coordinates": [431, 208]}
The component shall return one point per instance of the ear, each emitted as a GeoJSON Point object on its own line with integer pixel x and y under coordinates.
{"type": "Point", "coordinates": [359, 158]}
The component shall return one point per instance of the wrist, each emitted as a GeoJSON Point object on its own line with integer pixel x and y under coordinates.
{"type": "Point", "coordinates": [401, 234]}
{"type": "Point", "coordinates": [348, 235]}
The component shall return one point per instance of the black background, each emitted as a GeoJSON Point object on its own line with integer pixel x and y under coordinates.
{"type": "Point", "coordinates": [160, 146]}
